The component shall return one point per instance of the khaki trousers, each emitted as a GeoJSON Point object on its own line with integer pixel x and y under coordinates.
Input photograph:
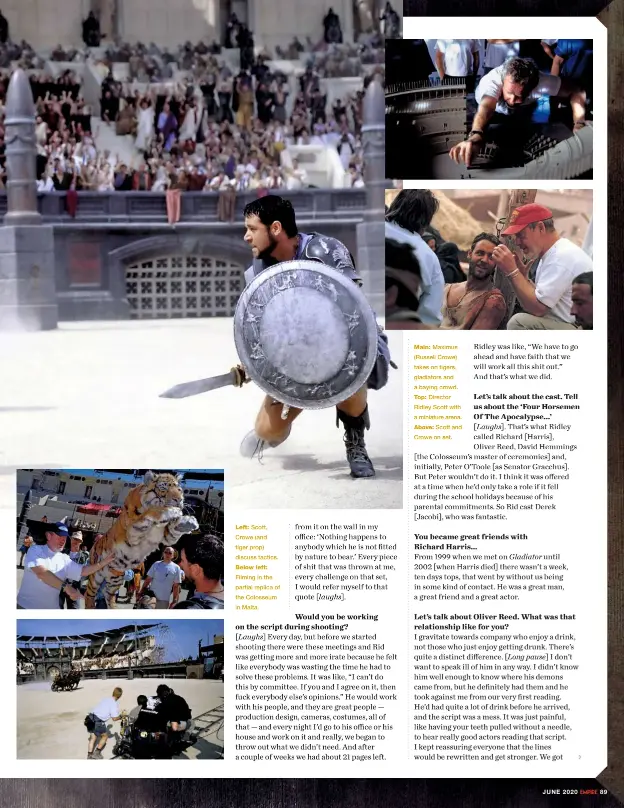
{"type": "Point", "coordinates": [529, 322]}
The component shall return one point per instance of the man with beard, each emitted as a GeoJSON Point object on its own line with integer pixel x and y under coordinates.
{"type": "Point", "coordinates": [507, 97]}
{"type": "Point", "coordinates": [271, 232]}
{"type": "Point", "coordinates": [583, 301]}
{"type": "Point", "coordinates": [475, 304]}
{"type": "Point", "coordinates": [201, 560]}
{"type": "Point", "coordinates": [547, 302]}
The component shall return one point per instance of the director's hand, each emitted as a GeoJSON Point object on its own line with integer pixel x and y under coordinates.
{"type": "Point", "coordinates": [505, 259]}
{"type": "Point", "coordinates": [464, 152]}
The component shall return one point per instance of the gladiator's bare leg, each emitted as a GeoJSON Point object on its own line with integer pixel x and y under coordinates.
{"type": "Point", "coordinates": [270, 426]}
{"type": "Point", "coordinates": [355, 404]}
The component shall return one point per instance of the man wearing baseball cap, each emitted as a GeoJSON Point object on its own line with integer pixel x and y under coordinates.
{"type": "Point", "coordinates": [79, 556]}
{"type": "Point", "coordinates": [46, 569]}
{"type": "Point", "coordinates": [546, 303]}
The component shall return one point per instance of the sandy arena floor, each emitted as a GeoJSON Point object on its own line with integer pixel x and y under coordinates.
{"type": "Point", "coordinates": [50, 725]}
{"type": "Point", "coordinates": [86, 396]}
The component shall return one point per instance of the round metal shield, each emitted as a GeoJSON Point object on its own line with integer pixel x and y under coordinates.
{"type": "Point", "coordinates": [305, 334]}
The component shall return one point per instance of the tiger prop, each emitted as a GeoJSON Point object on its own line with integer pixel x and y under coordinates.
{"type": "Point", "coordinates": [151, 515]}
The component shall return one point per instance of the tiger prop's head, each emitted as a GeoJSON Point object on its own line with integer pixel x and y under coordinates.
{"type": "Point", "coordinates": [161, 490]}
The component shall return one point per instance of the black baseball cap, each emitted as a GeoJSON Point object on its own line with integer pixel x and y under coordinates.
{"type": "Point", "coordinates": [59, 528]}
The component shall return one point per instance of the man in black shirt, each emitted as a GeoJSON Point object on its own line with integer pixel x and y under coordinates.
{"type": "Point", "coordinates": [173, 709]}
{"type": "Point", "coordinates": [175, 714]}
{"type": "Point", "coordinates": [149, 736]}
{"type": "Point", "coordinates": [202, 563]}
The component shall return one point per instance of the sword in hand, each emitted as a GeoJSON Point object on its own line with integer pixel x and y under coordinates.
{"type": "Point", "coordinates": [237, 377]}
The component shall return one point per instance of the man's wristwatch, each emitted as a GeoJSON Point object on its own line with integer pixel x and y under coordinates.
{"type": "Point", "coordinates": [475, 132]}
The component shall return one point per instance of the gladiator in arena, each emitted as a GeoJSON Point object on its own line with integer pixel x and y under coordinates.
{"type": "Point", "coordinates": [271, 232]}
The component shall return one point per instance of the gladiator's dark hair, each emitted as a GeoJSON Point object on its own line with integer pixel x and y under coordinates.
{"type": "Point", "coordinates": [524, 72]}
{"type": "Point", "coordinates": [271, 209]}
{"type": "Point", "coordinates": [401, 256]}
{"type": "Point", "coordinates": [413, 210]}
{"type": "Point", "coordinates": [586, 278]}
{"type": "Point", "coordinates": [485, 237]}
{"type": "Point", "coordinates": [207, 551]}
{"type": "Point", "coordinates": [407, 279]}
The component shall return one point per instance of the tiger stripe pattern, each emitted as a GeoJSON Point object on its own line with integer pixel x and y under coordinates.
{"type": "Point", "coordinates": [152, 514]}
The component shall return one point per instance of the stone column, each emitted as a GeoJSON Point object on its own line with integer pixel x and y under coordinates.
{"type": "Point", "coordinates": [370, 233]}
{"type": "Point", "coordinates": [27, 282]}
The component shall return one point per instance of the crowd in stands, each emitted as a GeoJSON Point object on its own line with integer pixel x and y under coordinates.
{"type": "Point", "coordinates": [103, 661]}
{"type": "Point", "coordinates": [195, 123]}
{"type": "Point", "coordinates": [62, 131]}
{"type": "Point", "coordinates": [230, 133]}
{"type": "Point", "coordinates": [213, 129]}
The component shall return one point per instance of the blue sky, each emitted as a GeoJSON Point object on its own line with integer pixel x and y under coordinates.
{"type": "Point", "coordinates": [129, 478]}
{"type": "Point", "coordinates": [186, 632]}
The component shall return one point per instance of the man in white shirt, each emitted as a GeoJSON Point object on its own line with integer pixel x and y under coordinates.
{"type": "Point", "coordinates": [547, 303]}
{"type": "Point", "coordinates": [497, 51]}
{"type": "Point", "coordinates": [47, 568]}
{"type": "Point", "coordinates": [106, 710]}
{"type": "Point", "coordinates": [516, 84]}
{"type": "Point", "coordinates": [163, 578]}
{"type": "Point", "coordinates": [507, 96]}
{"type": "Point", "coordinates": [457, 58]}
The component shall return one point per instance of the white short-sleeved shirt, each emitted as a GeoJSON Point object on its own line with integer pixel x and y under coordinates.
{"type": "Point", "coordinates": [106, 709]}
{"type": "Point", "coordinates": [550, 41]}
{"type": "Point", "coordinates": [35, 594]}
{"type": "Point", "coordinates": [431, 277]}
{"type": "Point", "coordinates": [164, 575]}
{"type": "Point", "coordinates": [554, 275]}
{"type": "Point", "coordinates": [491, 85]}
{"type": "Point", "coordinates": [498, 52]}
{"type": "Point", "coordinates": [458, 55]}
